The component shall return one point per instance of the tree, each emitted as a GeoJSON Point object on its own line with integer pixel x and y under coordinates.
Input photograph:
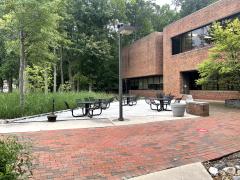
{"type": "Point", "coordinates": [31, 25]}
{"type": "Point", "coordinates": [189, 6]}
{"type": "Point", "coordinates": [91, 49]}
{"type": "Point", "coordinates": [223, 63]}
{"type": "Point", "coordinates": [39, 78]}
{"type": "Point", "coordinates": [163, 16]}
{"type": "Point", "coordinates": [146, 16]}
{"type": "Point", "coordinates": [8, 63]}
{"type": "Point", "coordinates": [8, 69]}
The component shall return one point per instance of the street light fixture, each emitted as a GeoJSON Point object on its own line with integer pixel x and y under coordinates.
{"type": "Point", "coordinates": [123, 29]}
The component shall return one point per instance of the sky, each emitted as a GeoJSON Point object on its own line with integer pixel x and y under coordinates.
{"type": "Point", "coordinates": [161, 2]}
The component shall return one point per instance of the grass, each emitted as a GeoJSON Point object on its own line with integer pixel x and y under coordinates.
{"type": "Point", "coordinates": [38, 103]}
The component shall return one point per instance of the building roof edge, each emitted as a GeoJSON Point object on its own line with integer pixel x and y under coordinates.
{"type": "Point", "coordinates": [210, 5]}
{"type": "Point", "coordinates": [145, 37]}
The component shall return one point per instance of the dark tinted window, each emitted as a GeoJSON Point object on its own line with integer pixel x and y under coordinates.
{"type": "Point", "coordinates": [176, 45]}
{"type": "Point", "coordinates": [197, 38]}
{"type": "Point", "coordinates": [145, 83]}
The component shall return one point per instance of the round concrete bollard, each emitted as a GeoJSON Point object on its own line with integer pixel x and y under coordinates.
{"type": "Point", "coordinates": [178, 109]}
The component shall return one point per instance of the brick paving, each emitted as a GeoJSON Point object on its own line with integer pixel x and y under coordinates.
{"type": "Point", "coordinates": [133, 150]}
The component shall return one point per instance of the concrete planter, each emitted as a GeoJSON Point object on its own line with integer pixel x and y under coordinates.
{"type": "Point", "coordinates": [232, 103]}
{"type": "Point", "coordinates": [178, 109]}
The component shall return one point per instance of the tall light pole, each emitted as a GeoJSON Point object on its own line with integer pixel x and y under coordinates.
{"type": "Point", "coordinates": [122, 30]}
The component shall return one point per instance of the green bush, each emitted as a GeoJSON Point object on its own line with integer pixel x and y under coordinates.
{"type": "Point", "coordinates": [15, 161]}
{"type": "Point", "coordinates": [37, 103]}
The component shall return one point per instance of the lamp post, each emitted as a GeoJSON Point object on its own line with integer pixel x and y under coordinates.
{"type": "Point", "coordinates": [122, 30]}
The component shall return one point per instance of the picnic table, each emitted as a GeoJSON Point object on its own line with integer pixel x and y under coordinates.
{"type": "Point", "coordinates": [159, 104]}
{"type": "Point", "coordinates": [164, 102]}
{"type": "Point", "coordinates": [129, 100]}
{"type": "Point", "coordinates": [89, 105]}
{"type": "Point", "coordinates": [88, 108]}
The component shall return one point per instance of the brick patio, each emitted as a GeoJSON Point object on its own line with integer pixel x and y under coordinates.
{"type": "Point", "coordinates": [133, 150]}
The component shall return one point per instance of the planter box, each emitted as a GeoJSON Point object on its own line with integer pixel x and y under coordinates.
{"type": "Point", "coordinates": [178, 109]}
{"type": "Point", "coordinates": [198, 108]}
{"type": "Point", "coordinates": [232, 103]}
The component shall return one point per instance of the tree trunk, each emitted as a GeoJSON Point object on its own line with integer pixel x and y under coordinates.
{"type": "Point", "coordinates": [55, 75]}
{"type": "Point", "coordinates": [90, 87]}
{"type": "Point", "coordinates": [25, 80]}
{"type": "Point", "coordinates": [54, 78]}
{"type": "Point", "coordinates": [10, 85]}
{"type": "Point", "coordinates": [22, 65]}
{"type": "Point", "coordinates": [78, 84]}
{"type": "Point", "coordinates": [61, 65]}
{"type": "Point", "coordinates": [45, 80]}
{"type": "Point", "coordinates": [1, 85]}
{"type": "Point", "coordinates": [70, 76]}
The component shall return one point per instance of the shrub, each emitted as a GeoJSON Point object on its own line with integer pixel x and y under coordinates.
{"type": "Point", "coordinates": [15, 161]}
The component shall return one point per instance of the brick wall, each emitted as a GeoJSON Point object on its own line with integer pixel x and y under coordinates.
{"type": "Point", "coordinates": [187, 61]}
{"type": "Point", "coordinates": [144, 57]}
{"type": "Point", "coordinates": [215, 95]}
{"type": "Point", "coordinates": [144, 93]}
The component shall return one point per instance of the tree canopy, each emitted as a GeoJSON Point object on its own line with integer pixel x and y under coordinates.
{"type": "Point", "coordinates": [223, 63]}
{"type": "Point", "coordinates": [189, 6]}
{"type": "Point", "coordinates": [76, 39]}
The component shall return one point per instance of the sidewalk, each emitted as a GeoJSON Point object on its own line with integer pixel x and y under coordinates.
{"type": "Point", "coordinates": [194, 171]}
{"type": "Point", "coordinates": [139, 114]}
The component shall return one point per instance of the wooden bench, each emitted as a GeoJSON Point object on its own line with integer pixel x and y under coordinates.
{"type": "Point", "coordinates": [198, 108]}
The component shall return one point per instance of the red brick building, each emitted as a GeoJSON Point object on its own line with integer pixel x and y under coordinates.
{"type": "Point", "coordinates": [168, 61]}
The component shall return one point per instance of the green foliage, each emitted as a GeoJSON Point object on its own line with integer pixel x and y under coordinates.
{"type": "Point", "coordinates": [38, 20]}
{"type": "Point", "coordinates": [15, 160]}
{"type": "Point", "coordinates": [66, 87]}
{"type": "Point", "coordinates": [81, 80]}
{"type": "Point", "coordinates": [79, 36]}
{"type": "Point", "coordinates": [163, 17]}
{"type": "Point", "coordinates": [224, 57]}
{"type": "Point", "coordinates": [36, 77]}
{"type": "Point", "coordinates": [189, 6]}
{"type": "Point", "coordinates": [37, 103]}
{"type": "Point", "coordinates": [146, 16]}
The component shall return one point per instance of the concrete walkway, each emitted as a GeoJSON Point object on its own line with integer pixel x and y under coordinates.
{"type": "Point", "coordinates": [139, 114]}
{"type": "Point", "coordinates": [194, 171]}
